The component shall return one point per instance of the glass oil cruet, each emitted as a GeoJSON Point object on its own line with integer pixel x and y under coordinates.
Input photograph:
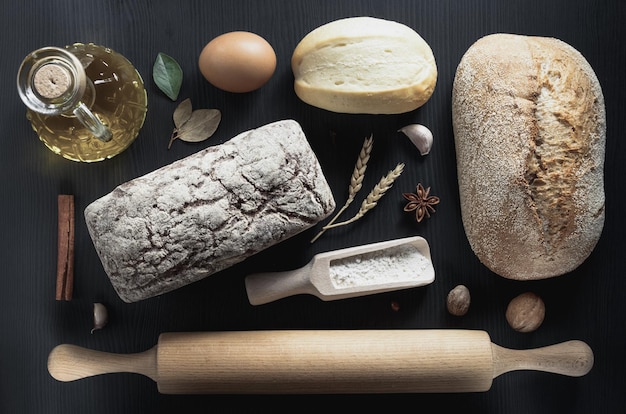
{"type": "Point", "coordinates": [86, 102]}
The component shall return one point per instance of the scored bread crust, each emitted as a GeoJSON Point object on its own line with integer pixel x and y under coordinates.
{"type": "Point", "coordinates": [364, 65]}
{"type": "Point", "coordinates": [529, 127]}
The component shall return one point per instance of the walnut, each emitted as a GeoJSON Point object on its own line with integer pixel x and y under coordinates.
{"type": "Point", "coordinates": [458, 301]}
{"type": "Point", "coordinates": [525, 312]}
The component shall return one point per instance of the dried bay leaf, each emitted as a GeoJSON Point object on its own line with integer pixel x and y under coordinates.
{"type": "Point", "coordinates": [200, 126]}
{"type": "Point", "coordinates": [167, 75]}
{"type": "Point", "coordinates": [194, 126]}
{"type": "Point", "coordinates": [182, 113]}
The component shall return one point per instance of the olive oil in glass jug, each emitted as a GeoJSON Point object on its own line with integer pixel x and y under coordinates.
{"type": "Point", "coordinates": [85, 102]}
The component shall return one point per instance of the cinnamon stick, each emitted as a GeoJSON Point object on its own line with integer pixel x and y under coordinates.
{"type": "Point", "coordinates": [65, 258]}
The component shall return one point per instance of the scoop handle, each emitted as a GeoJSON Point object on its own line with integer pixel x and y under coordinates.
{"type": "Point", "coordinates": [270, 286]}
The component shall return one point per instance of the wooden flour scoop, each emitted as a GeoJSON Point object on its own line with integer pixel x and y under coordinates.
{"type": "Point", "coordinates": [323, 362]}
{"type": "Point", "coordinates": [346, 273]}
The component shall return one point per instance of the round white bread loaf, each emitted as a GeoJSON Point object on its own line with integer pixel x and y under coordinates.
{"type": "Point", "coordinates": [529, 127]}
{"type": "Point", "coordinates": [364, 65]}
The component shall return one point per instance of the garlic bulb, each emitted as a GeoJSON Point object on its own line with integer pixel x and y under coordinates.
{"type": "Point", "coordinates": [420, 136]}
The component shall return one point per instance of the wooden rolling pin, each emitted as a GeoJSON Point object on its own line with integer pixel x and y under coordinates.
{"type": "Point", "coordinates": [322, 362]}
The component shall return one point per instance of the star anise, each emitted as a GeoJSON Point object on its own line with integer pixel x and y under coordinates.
{"type": "Point", "coordinates": [421, 202]}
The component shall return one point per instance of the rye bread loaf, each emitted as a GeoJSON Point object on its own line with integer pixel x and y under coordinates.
{"type": "Point", "coordinates": [364, 65]}
{"type": "Point", "coordinates": [211, 210]}
{"type": "Point", "coordinates": [529, 128]}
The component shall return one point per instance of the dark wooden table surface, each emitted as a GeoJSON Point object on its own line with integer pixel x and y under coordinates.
{"type": "Point", "coordinates": [588, 304]}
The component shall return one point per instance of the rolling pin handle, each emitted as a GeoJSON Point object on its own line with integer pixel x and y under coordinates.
{"type": "Point", "coordinates": [70, 362]}
{"type": "Point", "coordinates": [571, 358]}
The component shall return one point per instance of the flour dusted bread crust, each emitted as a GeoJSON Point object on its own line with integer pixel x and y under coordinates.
{"type": "Point", "coordinates": [211, 210]}
{"type": "Point", "coordinates": [364, 65]}
{"type": "Point", "coordinates": [529, 128]}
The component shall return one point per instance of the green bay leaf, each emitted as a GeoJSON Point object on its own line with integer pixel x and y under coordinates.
{"type": "Point", "coordinates": [167, 75]}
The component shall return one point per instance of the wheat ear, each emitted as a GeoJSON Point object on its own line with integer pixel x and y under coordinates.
{"type": "Point", "coordinates": [373, 197]}
{"type": "Point", "coordinates": [356, 181]}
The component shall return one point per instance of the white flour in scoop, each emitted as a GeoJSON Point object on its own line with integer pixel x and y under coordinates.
{"type": "Point", "coordinates": [395, 264]}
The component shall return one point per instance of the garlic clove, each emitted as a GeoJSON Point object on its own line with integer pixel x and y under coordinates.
{"type": "Point", "coordinates": [100, 316]}
{"type": "Point", "coordinates": [420, 136]}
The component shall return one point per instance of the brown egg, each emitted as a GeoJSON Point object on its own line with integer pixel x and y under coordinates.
{"type": "Point", "coordinates": [237, 61]}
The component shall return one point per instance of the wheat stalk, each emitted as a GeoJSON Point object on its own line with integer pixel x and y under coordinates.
{"type": "Point", "coordinates": [356, 180]}
{"type": "Point", "coordinates": [373, 197]}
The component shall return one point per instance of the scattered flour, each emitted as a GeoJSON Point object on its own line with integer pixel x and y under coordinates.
{"type": "Point", "coordinates": [395, 264]}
